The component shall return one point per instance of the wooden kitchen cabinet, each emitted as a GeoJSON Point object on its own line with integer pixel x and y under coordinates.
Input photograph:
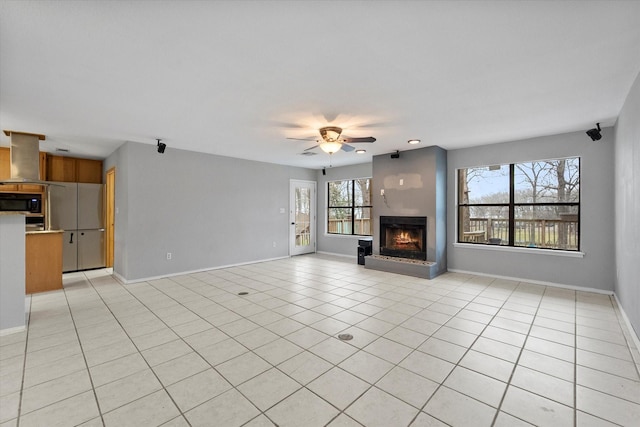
{"type": "Point", "coordinates": [5, 169]}
{"type": "Point", "coordinates": [89, 171]}
{"type": "Point", "coordinates": [53, 168]}
{"type": "Point", "coordinates": [43, 261]}
{"type": "Point", "coordinates": [60, 168]}
{"type": "Point", "coordinates": [72, 169]}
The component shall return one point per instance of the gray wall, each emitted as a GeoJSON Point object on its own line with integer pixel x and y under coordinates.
{"type": "Point", "coordinates": [423, 193]}
{"type": "Point", "coordinates": [331, 243]}
{"type": "Point", "coordinates": [207, 210]}
{"type": "Point", "coordinates": [12, 276]}
{"type": "Point", "coordinates": [596, 269]}
{"type": "Point", "coordinates": [627, 206]}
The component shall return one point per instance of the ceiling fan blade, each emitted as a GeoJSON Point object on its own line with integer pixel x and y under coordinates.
{"type": "Point", "coordinates": [311, 148]}
{"type": "Point", "coordinates": [288, 125]}
{"type": "Point", "coordinates": [305, 139]}
{"type": "Point", "coordinates": [347, 147]}
{"type": "Point", "coordinates": [363, 139]}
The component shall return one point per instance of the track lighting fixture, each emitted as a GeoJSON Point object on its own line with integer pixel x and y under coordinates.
{"type": "Point", "coordinates": [594, 133]}
{"type": "Point", "coordinates": [161, 146]}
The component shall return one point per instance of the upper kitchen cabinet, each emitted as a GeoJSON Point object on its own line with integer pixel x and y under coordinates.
{"type": "Point", "coordinates": [71, 169]}
{"type": "Point", "coordinates": [61, 168]}
{"type": "Point", "coordinates": [89, 171]}
{"type": "Point", "coordinates": [5, 169]}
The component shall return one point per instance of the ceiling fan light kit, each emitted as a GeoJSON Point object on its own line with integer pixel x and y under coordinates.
{"type": "Point", "coordinates": [332, 141]}
{"type": "Point", "coordinates": [330, 133]}
{"type": "Point", "coordinates": [330, 147]}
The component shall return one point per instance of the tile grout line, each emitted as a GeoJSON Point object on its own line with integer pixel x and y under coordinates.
{"type": "Point", "coordinates": [86, 364]}
{"type": "Point", "coordinates": [139, 351]}
{"type": "Point", "coordinates": [307, 350]}
{"type": "Point", "coordinates": [457, 364]}
{"type": "Point", "coordinates": [310, 283]}
{"type": "Point", "coordinates": [196, 351]}
{"type": "Point", "coordinates": [24, 366]}
{"type": "Point", "coordinates": [515, 364]}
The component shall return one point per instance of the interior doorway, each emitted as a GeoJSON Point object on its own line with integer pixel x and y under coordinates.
{"type": "Point", "coordinates": [110, 203]}
{"type": "Point", "coordinates": [302, 215]}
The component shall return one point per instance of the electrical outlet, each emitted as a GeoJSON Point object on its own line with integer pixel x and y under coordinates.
{"type": "Point", "coordinates": [274, 244]}
{"type": "Point", "coordinates": [168, 255]}
{"type": "Point", "coordinates": [382, 192]}
{"type": "Point", "coordinates": [401, 181]}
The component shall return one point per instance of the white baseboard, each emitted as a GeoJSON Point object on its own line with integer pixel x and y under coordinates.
{"type": "Point", "coordinates": [9, 331]}
{"type": "Point", "coordinates": [336, 254]}
{"type": "Point", "coordinates": [181, 273]}
{"type": "Point", "coordinates": [535, 282]}
{"type": "Point", "coordinates": [632, 332]}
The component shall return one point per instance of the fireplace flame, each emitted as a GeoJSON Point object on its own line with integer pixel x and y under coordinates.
{"type": "Point", "coordinates": [403, 238]}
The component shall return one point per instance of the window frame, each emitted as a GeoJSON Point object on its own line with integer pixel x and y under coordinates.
{"type": "Point", "coordinates": [512, 205]}
{"type": "Point", "coordinates": [353, 207]}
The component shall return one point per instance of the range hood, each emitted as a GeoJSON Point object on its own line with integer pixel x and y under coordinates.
{"type": "Point", "coordinates": [25, 158]}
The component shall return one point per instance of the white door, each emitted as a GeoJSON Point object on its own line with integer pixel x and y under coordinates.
{"type": "Point", "coordinates": [302, 216]}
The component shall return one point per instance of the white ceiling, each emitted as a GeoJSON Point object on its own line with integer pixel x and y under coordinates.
{"type": "Point", "coordinates": [238, 78]}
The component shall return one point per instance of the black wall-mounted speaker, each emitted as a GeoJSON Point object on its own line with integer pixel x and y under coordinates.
{"type": "Point", "coordinates": [594, 133]}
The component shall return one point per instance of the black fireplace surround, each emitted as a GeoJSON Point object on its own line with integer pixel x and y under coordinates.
{"type": "Point", "coordinates": [404, 237]}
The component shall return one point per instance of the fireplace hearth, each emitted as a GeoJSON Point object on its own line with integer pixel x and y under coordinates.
{"type": "Point", "coordinates": [403, 237]}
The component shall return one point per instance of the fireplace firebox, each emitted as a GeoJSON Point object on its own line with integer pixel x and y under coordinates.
{"type": "Point", "coordinates": [403, 236]}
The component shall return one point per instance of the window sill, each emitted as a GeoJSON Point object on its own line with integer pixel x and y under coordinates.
{"type": "Point", "coordinates": [532, 251]}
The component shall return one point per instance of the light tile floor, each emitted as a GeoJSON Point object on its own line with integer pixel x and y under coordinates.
{"type": "Point", "coordinates": [459, 350]}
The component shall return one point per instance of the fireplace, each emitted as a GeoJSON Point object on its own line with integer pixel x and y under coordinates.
{"type": "Point", "coordinates": [403, 236]}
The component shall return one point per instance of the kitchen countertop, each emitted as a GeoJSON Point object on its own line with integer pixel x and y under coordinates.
{"type": "Point", "coordinates": [13, 213]}
{"type": "Point", "coordinates": [44, 232]}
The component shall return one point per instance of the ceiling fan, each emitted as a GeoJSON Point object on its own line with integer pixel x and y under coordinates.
{"type": "Point", "coordinates": [333, 140]}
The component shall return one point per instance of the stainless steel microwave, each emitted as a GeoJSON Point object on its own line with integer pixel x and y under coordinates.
{"type": "Point", "coordinates": [20, 202]}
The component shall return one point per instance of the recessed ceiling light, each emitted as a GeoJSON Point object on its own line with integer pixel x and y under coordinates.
{"type": "Point", "coordinates": [361, 151]}
{"type": "Point", "coordinates": [413, 141]}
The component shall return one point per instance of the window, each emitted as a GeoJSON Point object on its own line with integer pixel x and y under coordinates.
{"type": "Point", "coordinates": [533, 204]}
{"type": "Point", "coordinates": [349, 207]}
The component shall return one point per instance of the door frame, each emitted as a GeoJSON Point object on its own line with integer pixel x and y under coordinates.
{"type": "Point", "coordinates": [293, 249]}
{"type": "Point", "coordinates": [110, 203]}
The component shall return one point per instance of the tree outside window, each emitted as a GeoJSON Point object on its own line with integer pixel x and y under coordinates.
{"type": "Point", "coordinates": [531, 204]}
{"type": "Point", "coordinates": [349, 207]}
